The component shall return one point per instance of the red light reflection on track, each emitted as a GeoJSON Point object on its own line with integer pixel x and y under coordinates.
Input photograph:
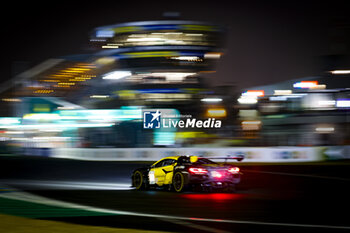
{"type": "Point", "coordinates": [213, 196]}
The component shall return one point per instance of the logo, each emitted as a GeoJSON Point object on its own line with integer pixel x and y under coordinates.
{"type": "Point", "coordinates": [154, 119]}
{"type": "Point", "coordinates": [151, 119]}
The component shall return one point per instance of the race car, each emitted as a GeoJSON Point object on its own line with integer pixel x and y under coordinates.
{"type": "Point", "coordinates": [180, 173]}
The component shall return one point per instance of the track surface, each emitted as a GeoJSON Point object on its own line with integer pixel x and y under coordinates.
{"type": "Point", "coordinates": [287, 194]}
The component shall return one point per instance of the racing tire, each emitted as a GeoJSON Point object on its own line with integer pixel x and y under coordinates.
{"type": "Point", "coordinates": [139, 181]}
{"type": "Point", "coordinates": [179, 182]}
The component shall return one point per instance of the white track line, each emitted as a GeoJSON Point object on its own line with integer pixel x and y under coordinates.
{"type": "Point", "coordinates": [24, 196]}
{"type": "Point", "coordinates": [195, 226]}
{"type": "Point", "coordinates": [68, 185]}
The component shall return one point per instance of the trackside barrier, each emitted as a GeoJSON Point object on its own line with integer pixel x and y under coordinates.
{"type": "Point", "coordinates": [252, 154]}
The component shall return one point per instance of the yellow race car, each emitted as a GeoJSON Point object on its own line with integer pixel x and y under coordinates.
{"type": "Point", "coordinates": [180, 173]}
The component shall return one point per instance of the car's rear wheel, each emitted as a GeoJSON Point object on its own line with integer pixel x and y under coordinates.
{"type": "Point", "coordinates": [138, 181]}
{"type": "Point", "coordinates": [179, 182]}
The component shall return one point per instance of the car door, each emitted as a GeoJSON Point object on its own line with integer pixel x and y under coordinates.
{"type": "Point", "coordinates": [168, 170]}
{"type": "Point", "coordinates": [162, 171]}
{"type": "Point", "coordinates": [153, 174]}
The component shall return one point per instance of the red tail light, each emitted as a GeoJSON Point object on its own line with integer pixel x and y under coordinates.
{"type": "Point", "coordinates": [197, 170]}
{"type": "Point", "coordinates": [234, 169]}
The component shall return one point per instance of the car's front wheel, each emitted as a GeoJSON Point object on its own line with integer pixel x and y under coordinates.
{"type": "Point", "coordinates": [179, 182]}
{"type": "Point", "coordinates": [138, 180]}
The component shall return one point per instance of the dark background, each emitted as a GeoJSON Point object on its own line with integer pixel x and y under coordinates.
{"type": "Point", "coordinates": [268, 41]}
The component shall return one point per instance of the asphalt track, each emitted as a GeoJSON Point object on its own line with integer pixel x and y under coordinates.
{"type": "Point", "coordinates": [271, 198]}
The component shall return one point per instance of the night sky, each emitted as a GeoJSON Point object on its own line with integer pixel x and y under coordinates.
{"type": "Point", "coordinates": [268, 41]}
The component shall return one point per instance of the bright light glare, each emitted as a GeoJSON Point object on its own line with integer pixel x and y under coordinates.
{"type": "Point", "coordinates": [305, 84]}
{"type": "Point", "coordinates": [110, 46]}
{"type": "Point", "coordinates": [340, 71]}
{"type": "Point", "coordinates": [99, 96]}
{"type": "Point", "coordinates": [282, 92]}
{"type": "Point", "coordinates": [211, 100]}
{"type": "Point", "coordinates": [343, 103]}
{"type": "Point", "coordinates": [117, 75]}
{"type": "Point", "coordinates": [14, 132]}
{"type": "Point", "coordinates": [216, 112]}
{"type": "Point", "coordinates": [9, 120]}
{"type": "Point", "coordinates": [186, 58]}
{"type": "Point", "coordinates": [172, 75]}
{"type": "Point", "coordinates": [42, 116]}
{"type": "Point", "coordinates": [247, 100]}
{"type": "Point", "coordinates": [324, 129]}
{"type": "Point", "coordinates": [253, 93]}
{"type": "Point", "coordinates": [212, 55]}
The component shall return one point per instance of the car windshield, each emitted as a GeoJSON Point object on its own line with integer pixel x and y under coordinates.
{"type": "Point", "coordinates": [204, 161]}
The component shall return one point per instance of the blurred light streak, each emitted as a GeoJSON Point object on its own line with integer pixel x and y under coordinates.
{"type": "Point", "coordinates": [305, 84]}
{"type": "Point", "coordinates": [99, 96]}
{"type": "Point", "coordinates": [53, 126]}
{"type": "Point", "coordinates": [343, 103]}
{"type": "Point", "coordinates": [340, 71]}
{"type": "Point", "coordinates": [70, 185]}
{"type": "Point", "coordinates": [9, 120]}
{"type": "Point", "coordinates": [325, 129]}
{"type": "Point", "coordinates": [105, 60]}
{"type": "Point", "coordinates": [117, 75]}
{"type": "Point", "coordinates": [42, 116]}
{"type": "Point", "coordinates": [105, 33]}
{"type": "Point", "coordinates": [211, 100]}
{"type": "Point", "coordinates": [11, 100]}
{"type": "Point", "coordinates": [326, 103]}
{"type": "Point", "coordinates": [282, 92]}
{"type": "Point", "coordinates": [144, 39]}
{"type": "Point", "coordinates": [216, 112]}
{"type": "Point", "coordinates": [320, 86]}
{"type": "Point", "coordinates": [187, 58]}
{"type": "Point", "coordinates": [65, 108]}
{"type": "Point", "coordinates": [251, 125]}
{"type": "Point", "coordinates": [194, 34]}
{"type": "Point", "coordinates": [50, 130]}
{"type": "Point", "coordinates": [251, 122]}
{"type": "Point", "coordinates": [278, 98]}
{"type": "Point", "coordinates": [14, 132]}
{"type": "Point", "coordinates": [254, 93]}
{"type": "Point", "coordinates": [247, 100]}
{"type": "Point", "coordinates": [110, 46]}
{"type": "Point", "coordinates": [170, 76]}
{"type": "Point", "coordinates": [212, 55]}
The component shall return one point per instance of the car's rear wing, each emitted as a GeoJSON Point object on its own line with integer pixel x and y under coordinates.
{"type": "Point", "coordinates": [239, 158]}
